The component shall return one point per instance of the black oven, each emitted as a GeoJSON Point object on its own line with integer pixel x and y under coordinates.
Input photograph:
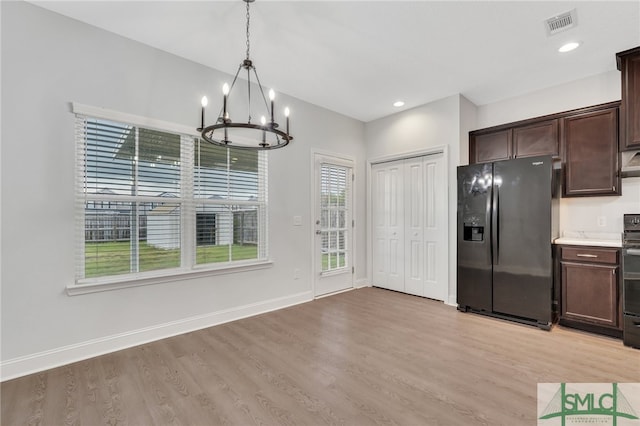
{"type": "Point", "coordinates": [631, 280]}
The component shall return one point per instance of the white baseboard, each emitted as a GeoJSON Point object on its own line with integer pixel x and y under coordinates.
{"type": "Point", "coordinates": [362, 283]}
{"type": "Point", "coordinates": [57, 357]}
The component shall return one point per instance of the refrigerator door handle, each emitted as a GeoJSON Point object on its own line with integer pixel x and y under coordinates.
{"type": "Point", "coordinates": [495, 224]}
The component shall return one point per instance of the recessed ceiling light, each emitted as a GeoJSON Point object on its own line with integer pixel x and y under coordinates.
{"type": "Point", "coordinates": [569, 47]}
{"type": "Point", "coordinates": [398, 103]}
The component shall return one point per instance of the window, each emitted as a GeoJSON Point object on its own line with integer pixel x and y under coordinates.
{"type": "Point", "coordinates": [229, 189]}
{"type": "Point", "coordinates": [335, 191]}
{"type": "Point", "coordinates": [154, 201]}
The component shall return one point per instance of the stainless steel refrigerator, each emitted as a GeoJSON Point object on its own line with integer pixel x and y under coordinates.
{"type": "Point", "coordinates": [507, 221]}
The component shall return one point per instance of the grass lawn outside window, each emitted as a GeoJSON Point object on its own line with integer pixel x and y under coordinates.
{"type": "Point", "coordinates": [114, 258]}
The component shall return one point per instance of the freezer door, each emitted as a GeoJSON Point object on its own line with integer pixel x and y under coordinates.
{"type": "Point", "coordinates": [474, 237]}
{"type": "Point", "coordinates": [522, 257]}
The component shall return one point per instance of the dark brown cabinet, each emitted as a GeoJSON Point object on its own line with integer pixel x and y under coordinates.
{"type": "Point", "coordinates": [536, 139]}
{"type": "Point", "coordinates": [590, 289]}
{"type": "Point", "coordinates": [591, 153]}
{"type": "Point", "coordinates": [585, 140]}
{"type": "Point", "coordinates": [494, 146]}
{"type": "Point", "coordinates": [629, 64]}
{"type": "Point", "coordinates": [527, 140]}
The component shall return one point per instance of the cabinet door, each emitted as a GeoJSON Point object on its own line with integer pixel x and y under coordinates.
{"type": "Point", "coordinates": [490, 147]}
{"type": "Point", "coordinates": [590, 293]}
{"type": "Point", "coordinates": [536, 139]}
{"type": "Point", "coordinates": [629, 64]}
{"type": "Point", "coordinates": [591, 157]}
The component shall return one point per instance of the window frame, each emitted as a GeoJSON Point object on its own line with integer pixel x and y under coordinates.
{"type": "Point", "coordinates": [188, 268]}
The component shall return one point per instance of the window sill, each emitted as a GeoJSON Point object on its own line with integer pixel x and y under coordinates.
{"type": "Point", "coordinates": [95, 285]}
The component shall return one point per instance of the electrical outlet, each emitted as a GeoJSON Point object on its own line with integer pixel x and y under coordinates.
{"type": "Point", "coordinates": [296, 274]}
{"type": "Point", "coordinates": [602, 221]}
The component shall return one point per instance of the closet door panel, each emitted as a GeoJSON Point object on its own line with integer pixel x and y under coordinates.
{"type": "Point", "coordinates": [435, 228]}
{"type": "Point", "coordinates": [388, 232]}
{"type": "Point", "coordinates": [414, 224]}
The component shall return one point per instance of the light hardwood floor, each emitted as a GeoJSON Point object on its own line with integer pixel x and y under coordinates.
{"type": "Point", "coordinates": [364, 357]}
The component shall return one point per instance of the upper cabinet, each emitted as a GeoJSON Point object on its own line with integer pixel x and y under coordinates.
{"type": "Point", "coordinates": [493, 146]}
{"type": "Point", "coordinates": [591, 153]}
{"type": "Point", "coordinates": [505, 142]}
{"type": "Point", "coordinates": [629, 63]}
{"type": "Point", "coordinates": [585, 140]}
{"type": "Point", "coordinates": [536, 139]}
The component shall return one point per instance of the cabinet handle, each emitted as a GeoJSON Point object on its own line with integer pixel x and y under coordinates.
{"type": "Point", "coordinates": [587, 255]}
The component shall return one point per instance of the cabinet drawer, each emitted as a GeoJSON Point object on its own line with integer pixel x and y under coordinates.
{"type": "Point", "coordinates": [590, 254]}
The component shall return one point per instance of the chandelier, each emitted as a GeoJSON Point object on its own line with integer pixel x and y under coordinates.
{"type": "Point", "coordinates": [246, 135]}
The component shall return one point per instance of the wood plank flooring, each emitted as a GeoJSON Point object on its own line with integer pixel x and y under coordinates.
{"type": "Point", "coordinates": [365, 357]}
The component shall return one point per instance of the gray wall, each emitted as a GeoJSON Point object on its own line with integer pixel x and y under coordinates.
{"type": "Point", "coordinates": [49, 61]}
{"type": "Point", "coordinates": [580, 213]}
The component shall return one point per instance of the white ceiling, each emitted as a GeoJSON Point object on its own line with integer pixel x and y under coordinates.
{"type": "Point", "coordinates": [358, 57]}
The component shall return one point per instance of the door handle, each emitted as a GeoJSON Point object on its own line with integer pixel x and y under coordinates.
{"type": "Point", "coordinates": [318, 232]}
{"type": "Point", "coordinates": [632, 252]}
{"type": "Point", "coordinates": [496, 223]}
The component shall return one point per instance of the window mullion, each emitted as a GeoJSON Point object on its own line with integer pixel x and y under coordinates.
{"type": "Point", "coordinates": [263, 213]}
{"type": "Point", "coordinates": [135, 214]}
{"type": "Point", "coordinates": [229, 213]}
{"type": "Point", "coordinates": [188, 214]}
{"type": "Point", "coordinates": [81, 197]}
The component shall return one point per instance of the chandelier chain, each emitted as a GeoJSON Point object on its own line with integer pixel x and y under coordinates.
{"type": "Point", "coordinates": [248, 16]}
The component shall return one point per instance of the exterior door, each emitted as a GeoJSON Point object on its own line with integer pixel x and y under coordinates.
{"type": "Point", "coordinates": [333, 254]}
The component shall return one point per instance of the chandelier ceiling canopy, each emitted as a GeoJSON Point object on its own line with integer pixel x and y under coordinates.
{"type": "Point", "coordinates": [267, 134]}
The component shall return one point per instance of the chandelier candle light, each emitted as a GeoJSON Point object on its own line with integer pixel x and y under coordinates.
{"type": "Point", "coordinates": [246, 135]}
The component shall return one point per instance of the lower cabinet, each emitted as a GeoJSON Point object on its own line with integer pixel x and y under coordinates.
{"type": "Point", "coordinates": [590, 289]}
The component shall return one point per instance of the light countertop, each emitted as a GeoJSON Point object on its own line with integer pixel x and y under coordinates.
{"type": "Point", "coordinates": [587, 238]}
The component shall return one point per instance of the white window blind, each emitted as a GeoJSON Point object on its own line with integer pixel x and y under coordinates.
{"type": "Point", "coordinates": [151, 201]}
{"type": "Point", "coordinates": [335, 190]}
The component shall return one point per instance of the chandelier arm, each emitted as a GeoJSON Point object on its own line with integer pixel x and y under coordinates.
{"type": "Point", "coordinates": [231, 88]}
{"type": "Point", "coordinates": [266, 104]}
{"type": "Point", "coordinates": [235, 77]}
{"type": "Point", "coordinates": [249, 92]}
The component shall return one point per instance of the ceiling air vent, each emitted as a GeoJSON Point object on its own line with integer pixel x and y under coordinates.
{"type": "Point", "coordinates": [561, 22]}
